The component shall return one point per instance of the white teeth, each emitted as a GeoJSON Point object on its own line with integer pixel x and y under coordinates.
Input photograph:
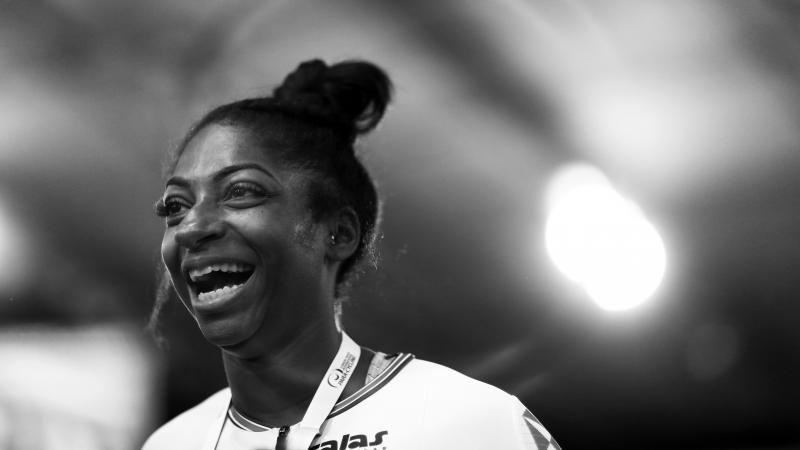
{"type": "Point", "coordinates": [194, 274]}
{"type": "Point", "coordinates": [219, 293]}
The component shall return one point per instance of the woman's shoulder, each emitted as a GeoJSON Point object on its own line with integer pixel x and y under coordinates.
{"type": "Point", "coordinates": [428, 405]}
{"type": "Point", "coordinates": [443, 381]}
{"type": "Point", "coordinates": [436, 390]}
{"type": "Point", "coordinates": [453, 398]}
{"type": "Point", "coordinates": [182, 431]}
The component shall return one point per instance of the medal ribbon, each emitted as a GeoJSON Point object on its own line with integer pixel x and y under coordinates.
{"type": "Point", "coordinates": [300, 436]}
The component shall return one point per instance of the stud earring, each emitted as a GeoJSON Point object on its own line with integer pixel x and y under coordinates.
{"type": "Point", "coordinates": [333, 239]}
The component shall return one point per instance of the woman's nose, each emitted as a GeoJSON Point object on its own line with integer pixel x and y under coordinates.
{"type": "Point", "coordinates": [201, 224]}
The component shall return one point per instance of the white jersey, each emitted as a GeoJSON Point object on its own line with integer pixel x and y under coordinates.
{"type": "Point", "coordinates": [412, 404]}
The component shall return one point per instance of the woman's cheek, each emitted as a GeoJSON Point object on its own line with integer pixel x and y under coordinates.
{"type": "Point", "coordinates": [169, 255]}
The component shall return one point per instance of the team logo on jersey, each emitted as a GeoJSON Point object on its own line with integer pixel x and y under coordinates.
{"type": "Point", "coordinates": [337, 376]}
{"type": "Point", "coordinates": [354, 441]}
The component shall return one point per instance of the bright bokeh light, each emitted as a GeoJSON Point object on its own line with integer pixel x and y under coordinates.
{"type": "Point", "coordinates": [601, 240]}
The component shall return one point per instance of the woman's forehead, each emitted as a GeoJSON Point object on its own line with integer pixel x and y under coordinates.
{"type": "Point", "coordinates": [216, 147]}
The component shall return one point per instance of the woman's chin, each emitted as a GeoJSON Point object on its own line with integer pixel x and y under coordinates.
{"type": "Point", "coordinates": [224, 333]}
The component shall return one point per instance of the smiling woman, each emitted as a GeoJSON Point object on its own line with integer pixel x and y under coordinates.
{"type": "Point", "coordinates": [268, 211]}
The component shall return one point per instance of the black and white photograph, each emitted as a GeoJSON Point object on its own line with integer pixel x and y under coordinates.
{"type": "Point", "coordinates": [397, 225]}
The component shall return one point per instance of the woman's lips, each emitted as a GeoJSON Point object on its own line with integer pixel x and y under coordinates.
{"type": "Point", "coordinates": [217, 298]}
{"type": "Point", "coordinates": [214, 284]}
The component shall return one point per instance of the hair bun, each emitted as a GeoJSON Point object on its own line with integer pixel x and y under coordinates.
{"type": "Point", "coordinates": [305, 81]}
{"type": "Point", "coordinates": [354, 93]}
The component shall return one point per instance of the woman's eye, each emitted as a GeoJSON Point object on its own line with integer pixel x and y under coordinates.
{"type": "Point", "coordinates": [174, 207]}
{"type": "Point", "coordinates": [170, 207]}
{"type": "Point", "coordinates": [245, 191]}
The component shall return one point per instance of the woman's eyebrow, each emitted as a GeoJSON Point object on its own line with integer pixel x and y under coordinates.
{"type": "Point", "coordinates": [222, 173]}
{"type": "Point", "coordinates": [178, 181]}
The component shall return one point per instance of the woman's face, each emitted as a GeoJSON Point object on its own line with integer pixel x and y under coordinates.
{"type": "Point", "coordinates": [240, 244]}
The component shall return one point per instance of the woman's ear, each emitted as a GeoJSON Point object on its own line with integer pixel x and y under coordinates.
{"type": "Point", "coordinates": [345, 234]}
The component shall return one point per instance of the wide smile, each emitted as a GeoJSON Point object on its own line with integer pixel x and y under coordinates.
{"type": "Point", "coordinates": [215, 283]}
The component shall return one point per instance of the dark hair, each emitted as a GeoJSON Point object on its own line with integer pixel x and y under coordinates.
{"type": "Point", "coordinates": [311, 122]}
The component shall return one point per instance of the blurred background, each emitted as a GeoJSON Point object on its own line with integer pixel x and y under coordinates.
{"type": "Point", "coordinates": [592, 205]}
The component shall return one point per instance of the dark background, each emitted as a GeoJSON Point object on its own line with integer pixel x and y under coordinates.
{"type": "Point", "coordinates": [690, 107]}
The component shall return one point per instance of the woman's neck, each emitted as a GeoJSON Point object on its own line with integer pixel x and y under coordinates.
{"type": "Point", "coordinates": [276, 385]}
